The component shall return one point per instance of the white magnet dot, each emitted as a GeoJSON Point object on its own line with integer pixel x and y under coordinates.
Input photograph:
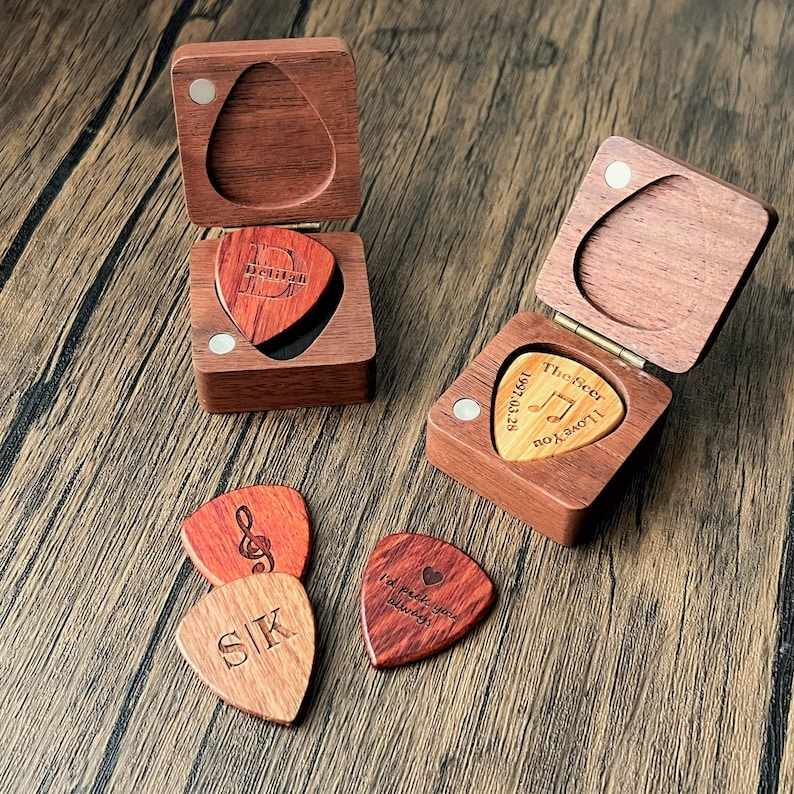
{"type": "Point", "coordinates": [466, 409]}
{"type": "Point", "coordinates": [222, 343]}
{"type": "Point", "coordinates": [202, 91]}
{"type": "Point", "coordinates": [618, 175]}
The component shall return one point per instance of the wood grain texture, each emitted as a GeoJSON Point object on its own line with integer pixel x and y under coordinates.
{"type": "Point", "coordinates": [279, 141]}
{"type": "Point", "coordinates": [655, 260]}
{"type": "Point", "coordinates": [257, 529]}
{"type": "Point", "coordinates": [546, 405]}
{"type": "Point", "coordinates": [656, 658]}
{"type": "Point", "coordinates": [268, 279]}
{"type": "Point", "coordinates": [559, 496]}
{"type": "Point", "coordinates": [419, 595]}
{"type": "Point", "coordinates": [338, 368]}
{"type": "Point", "coordinates": [251, 642]}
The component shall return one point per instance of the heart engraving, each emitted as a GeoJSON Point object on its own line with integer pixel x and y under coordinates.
{"type": "Point", "coordinates": [269, 278]}
{"type": "Point", "coordinates": [252, 643]}
{"type": "Point", "coordinates": [431, 577]}
{"type": "Point", "coordinates": [548, 405]}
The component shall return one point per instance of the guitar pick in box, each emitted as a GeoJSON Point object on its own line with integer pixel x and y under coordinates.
{"type": "Point", "coordinates": [648, 262]}
{"type": "Point", "coordinates": [268, 141]}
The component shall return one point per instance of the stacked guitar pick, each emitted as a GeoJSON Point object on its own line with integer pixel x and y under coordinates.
{"type": "Point", "coordinates": [252, 639]}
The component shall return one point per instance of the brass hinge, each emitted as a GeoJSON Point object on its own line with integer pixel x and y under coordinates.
{"type": "Point", "coordinates": [303, 226]}
{"type": "Point", "coordinates": [597, 339]}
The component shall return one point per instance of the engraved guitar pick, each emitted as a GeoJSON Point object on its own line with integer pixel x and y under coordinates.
{"type": "Point", "coordinates": [418, 597]}
{"type": "Point", "coordinates": [268, 278]}
{"type": "Point", "coordinates": [258, 529]}
{"type": "Point", "coordinates": [548, 405]}
{"type": "Point", "coordinates": [252, 643]}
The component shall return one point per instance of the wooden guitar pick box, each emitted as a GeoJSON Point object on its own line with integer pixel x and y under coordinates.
{"type": "Point", "coordinates": [647, 264]}
{"type": "Point", "coordinates": [268, 135]}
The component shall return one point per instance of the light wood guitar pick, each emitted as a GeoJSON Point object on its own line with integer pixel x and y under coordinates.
{"type": "Point", "coordinates": [258, 529]}
{"type": "Point", "coordinates": [268, 278]}
{"type": "Point", "coordinates": [548, 405]}
{"type": "Point", "coordinates": [252, 643]}
{"type": "Point", "coordinates": [419, 596]}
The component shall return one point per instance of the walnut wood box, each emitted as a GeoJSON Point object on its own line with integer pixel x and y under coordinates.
{"type": "Point", "coordinates": [268, 135]}
{"type": "Point", "coordinates": [647, 264]}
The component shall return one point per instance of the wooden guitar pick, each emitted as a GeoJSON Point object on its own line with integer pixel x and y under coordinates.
{"type": "Point", "coordinates": [548, 405]}
{"type": "Point", "coordinates": [419, 596]}
{"type": "Point", "coordinates": [258, 529]}
{"type": "Point", "coordinates": [268, 278]}
{"type": "Point", "coordinates": [252, 643]}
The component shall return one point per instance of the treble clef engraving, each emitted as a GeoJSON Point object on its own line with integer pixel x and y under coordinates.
{"type": "Point", "coordinates": [253, 547]}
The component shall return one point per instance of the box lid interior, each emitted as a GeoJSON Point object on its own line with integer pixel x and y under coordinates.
{"type": "Point", "coordinates": [653, 253]}
{"type": "Point", "coordinates": [268, 131]}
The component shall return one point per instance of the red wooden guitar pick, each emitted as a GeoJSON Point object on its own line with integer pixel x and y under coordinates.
{"type": "Point", "coordinates": [268, 278]}
{"type": "Point", "coordinates": [419, 596]}
{"type": "Point", "coordinates": [258, 529]}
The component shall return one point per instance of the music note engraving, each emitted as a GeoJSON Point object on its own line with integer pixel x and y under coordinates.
{"type": "Point", "coordinates": [553, 418]}
{"type": "Point", "coordinates": [253, 547]}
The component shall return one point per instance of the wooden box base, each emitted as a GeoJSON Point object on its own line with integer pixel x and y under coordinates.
{"type": "Point", "coordinates": [338, 368]}
{"type": "Point", "coordinates": [560, 495]}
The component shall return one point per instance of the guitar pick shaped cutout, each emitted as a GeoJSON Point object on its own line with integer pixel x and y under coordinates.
{"type": "Point", "coordinates": [419, 596]}
{"type": "Point", "coordinates": [268, 278]}
{"type": "Point", "coordinates": [252, 643]}
{"type": "Point", "coordinates": [628, 240]}
{"type": "Point", "coordinates": [260, 139]}
{"type": "Point", "coordinates": [547, 405]}
{"type": "Point", "coordinates": [258, 529]}
{"type": "Point", "coordinates": [301, 336]}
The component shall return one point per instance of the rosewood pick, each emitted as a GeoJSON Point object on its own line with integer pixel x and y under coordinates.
{"type": "Point", "coordinates": [548, 405]}
{"type": "Point", "coordinates": [419, 596]}
{"type": "Point", "coordinates": [258, 529]}
{"type": "Point", "coordinates": [268, 278]}
{"type": "Point", "coordinates": [252, 643]}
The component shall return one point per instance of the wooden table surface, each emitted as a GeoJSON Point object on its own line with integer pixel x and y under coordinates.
{"type": "Point", "coordinates": [659, 657]}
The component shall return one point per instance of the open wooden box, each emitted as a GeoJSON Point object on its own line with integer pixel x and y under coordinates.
{"type": "Point", "coordinates": [268, 134]}
{"type": "Point", "coordinates": [649, 261]}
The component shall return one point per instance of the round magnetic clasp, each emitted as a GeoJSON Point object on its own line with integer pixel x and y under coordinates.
{"type": "Point", "coordinates": [466, 409]}
{"type": "Point", "coordinates": [202, 91]}
{"type": "Point", "coordinates": [220, 344]}
{"type": "Point", "coordinates": [617, 175]}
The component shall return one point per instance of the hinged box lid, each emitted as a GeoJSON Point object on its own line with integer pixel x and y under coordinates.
{"type": "Point", "coordinates": [268, 131]}
{"type": "Point", "coordinates": [653, 253]}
